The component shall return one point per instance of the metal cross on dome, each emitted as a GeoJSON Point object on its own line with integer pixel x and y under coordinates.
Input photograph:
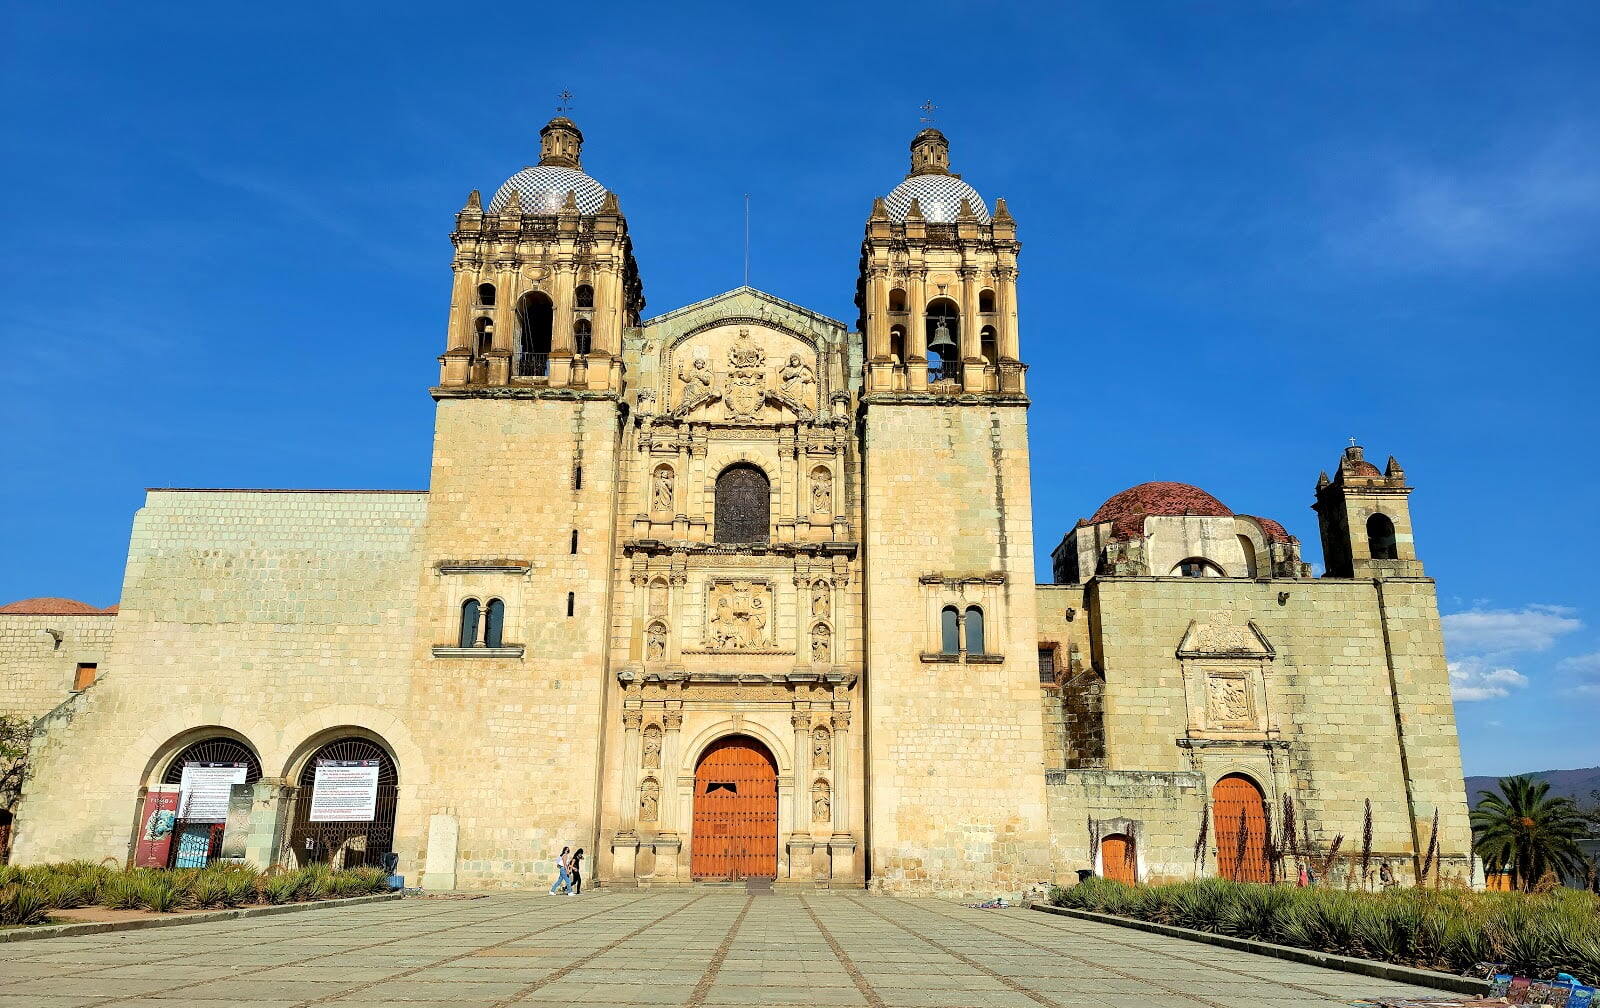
{"type": "Point", "coordinates": [564, 102]}
{"type": "Point", "coordinates": [928, 110]}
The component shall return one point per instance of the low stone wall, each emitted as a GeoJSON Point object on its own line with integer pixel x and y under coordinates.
{"type": "Point", "coordinates": [1160, 811]}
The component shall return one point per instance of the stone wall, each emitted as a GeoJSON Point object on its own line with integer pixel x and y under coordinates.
{"type": "Point", "coordinates": [954, 746]}
{"type": "Point", "coordinates": [272, 616]}
{"type": "Point", "coordinates": [1160, 811]}
{"type": "Point", "coordinates": [37, 672]}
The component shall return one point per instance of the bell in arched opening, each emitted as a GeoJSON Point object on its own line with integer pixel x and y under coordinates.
{"type": "Point", "coordinates": [943, 341]}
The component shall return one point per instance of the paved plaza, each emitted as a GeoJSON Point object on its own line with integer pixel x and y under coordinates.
{"type": "Point", "coordinates": [682, 947]}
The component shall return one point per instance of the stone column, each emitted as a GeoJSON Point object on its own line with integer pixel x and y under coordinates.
{"type": "Point", "coordinates": [801, 721]}
{"type": "Point", "coordinates": [1006, 294]}
{"type": "Point", "coordinates": [841, 773]}
{"type": "Point", "coordinates": [917, 336]}
{"type": "Point", "coordinates": [505, 307]}
{"type": "Point", "coordinates": [641, 615]}
{"type": "Point", "coordinates": [671, 739]}
{"type": "Point", "coordinates": [878, 314]}
{"type": "Point", "coordinates": [462, 297]}
{"type": "Point", "coordinates": [565, 278]}
{"type": "Point", "coordinates": [629, 805]}
{"type": "Point", "coordinates": [971, 345]}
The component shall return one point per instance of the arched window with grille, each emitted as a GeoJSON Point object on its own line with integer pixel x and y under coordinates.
{"type": "Point", "coordinates": [494, 623]}
{"type": "Point", "coordinates": [347, 835]}
{"type": "Point", "coordinates": [744, 505]}
{"type": "Point", "coordinates": [486, 295]}
{"type": "Point", "coordinates": [1381, 539]}
{"type": "Point", "coordinates": [582, 336]}
{"type": "Point", "coordinates": [973, 625]}
{"type": "Point", "coordinates": [1197, 567]}
{"type": "Point", "coordinates": [469, 623]}
{"type": "Point", "coordinates": [950, 631]}
{"type": "Point", "coordinates": [583, 297]}
{"type": "Point", "coordinates": [204, 771]}
{"type": "Point", "coordinates": [535, 316]}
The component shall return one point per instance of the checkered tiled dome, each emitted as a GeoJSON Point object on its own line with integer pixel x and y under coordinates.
{"type": "Point", "coordinates": [938, 196]}
{"type": "Point", "coordinates": [544, 188]}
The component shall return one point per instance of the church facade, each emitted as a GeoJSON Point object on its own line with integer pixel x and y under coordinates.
{"type": "Point", "coordinates": [742, 591]}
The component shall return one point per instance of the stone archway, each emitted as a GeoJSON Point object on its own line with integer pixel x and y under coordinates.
{"type": "Point", "coordinates": [1239, 811]}
{"type": "Point", "coordinates": [735, 831]}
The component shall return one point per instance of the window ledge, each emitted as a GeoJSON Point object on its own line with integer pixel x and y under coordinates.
{"type": "Point", "coordinates": [939, 656]}
{"type": "Point", "coordinates": [509, 651]}
{"type": "Point", "coordinates": [986, 659]}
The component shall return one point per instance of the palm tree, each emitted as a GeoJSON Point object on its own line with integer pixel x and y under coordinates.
{"type": "Point", "coordinates": [1525, 831]}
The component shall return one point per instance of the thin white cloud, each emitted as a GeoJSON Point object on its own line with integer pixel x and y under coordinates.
{"type": "Point", "coordinates": [1473, 679]}
{"type": "Point", "coordinates": [1584, 670]}
{"type": "Point", "coordinates": [1488, 632]}
{"type": "Point", "coordinates": [1518, 209]}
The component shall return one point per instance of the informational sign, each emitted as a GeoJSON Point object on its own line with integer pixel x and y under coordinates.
{"type": "Point", "coordinates": [241, 808]}
{"type": "Point", "coordinates": [205, 790]}
{"type": "Point", "coordinates": [159, 815]}
{"type": "Point", "coordinates": [345, 791]}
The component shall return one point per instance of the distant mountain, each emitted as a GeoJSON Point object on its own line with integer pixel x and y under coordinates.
{"type": "Point", "coordinates": [1576, 784]}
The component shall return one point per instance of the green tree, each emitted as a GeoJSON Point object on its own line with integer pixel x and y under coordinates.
{"type": "Point", "coordinates": [1524, 830]}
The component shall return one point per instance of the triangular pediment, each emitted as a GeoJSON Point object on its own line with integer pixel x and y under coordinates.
{"type": "Point", "coordinates": [1223, 638]}
{"type": "Point", "coordinates": [745, 302]}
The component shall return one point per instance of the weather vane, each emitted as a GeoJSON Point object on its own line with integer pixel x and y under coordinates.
{"type": "Point", "coordinates": [928, 109]}
{"type": "Point", "coordinates": [564, 101]}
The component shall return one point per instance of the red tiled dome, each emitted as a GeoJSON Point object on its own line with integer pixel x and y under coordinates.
{"type": "Point", "coordinates": [50, 607]}
{"type": "Point", "coordinates": [1127, 510]}
{"type": "Point", "coordinates": [1361, 467]}
{"type": "Point", "coordinates": [1272, 530]}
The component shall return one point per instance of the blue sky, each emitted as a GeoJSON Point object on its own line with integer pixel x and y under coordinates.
{"type": "Point", "coordinates": [1251, 231]}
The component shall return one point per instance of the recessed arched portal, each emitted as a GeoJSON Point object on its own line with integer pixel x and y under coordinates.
{"type": "Point", "coordinates": [1118, 860]}
{"type": "Point", "coordinates": [1240, 812]}
{"type": "Point", "coordinates": [735, 811]}
{"type": "Point", "coordinates": [345, 809]}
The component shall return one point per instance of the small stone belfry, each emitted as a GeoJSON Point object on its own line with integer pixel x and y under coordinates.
{"type": "Point", "coordinates": [545, 279]}
{"type": "Point", "coordinates": [1365, 517]}
{"type": "Point", "coordinates": [938, 282]}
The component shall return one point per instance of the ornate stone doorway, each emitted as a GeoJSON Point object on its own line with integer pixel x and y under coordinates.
{"type": "Point", "coordinates": [1240, 814]}
{"type": "Point", "coordinates": [735, 811]}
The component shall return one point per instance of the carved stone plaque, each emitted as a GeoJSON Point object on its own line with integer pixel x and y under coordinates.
{"type": "Point", "coordinates": [1228, 702]}
{"type": "Point", "coordinates": [746, 388]}
{"type": "Point", "coordinates": [739, 616]}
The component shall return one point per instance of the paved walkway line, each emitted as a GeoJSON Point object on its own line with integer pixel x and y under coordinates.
{"type": "Point", "coordinates": [874, 999]}
{"type": "Point", "coordinates": [42, 931]}
{"type": "Point", "coordinates": [697, 998]}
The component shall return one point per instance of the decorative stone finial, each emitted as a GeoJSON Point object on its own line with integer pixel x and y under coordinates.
{"type": "Point", "coordinates": [474, 201]}
{"type": "Point", "coordinates": [965, 212]}
{"type": "Point", "coordinates": [1323, 481]}
{"type": "Point", "coordinates": [1393, 472]}
{"type": "Point", "coordinates": [879, 210]}
{"type": "Point", "coordinates": [514, 204]}
{"type": "Point", "coordinates": [1001, 214]}
{"type": "Point", "coordinates": [930, 154]}
{"type": "Point", "coordinates": [570, 204]}
{"type": "Point", "coordinates": [609, 204]}
{"type": "Point", "coordinates": [915, 212]}
{"type": "Point", "coordinates": [560, 143]}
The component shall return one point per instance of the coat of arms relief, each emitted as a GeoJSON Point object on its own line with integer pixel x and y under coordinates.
{"type": "Point", "coordinates": [739, 616]}
{"type": "Point", "coordinates": [746, 389]}
{"type": "Point", "coordinates": [746, 384]}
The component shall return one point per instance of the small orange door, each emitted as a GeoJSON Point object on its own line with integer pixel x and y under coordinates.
{"type": "Point", "coordinates": [1117, 861]}
{"type": "Point", "coordinates": [735, 811]}
{"type": "Point", "coordinates": [1239, 816]}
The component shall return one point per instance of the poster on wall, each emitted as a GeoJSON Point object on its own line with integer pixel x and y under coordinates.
{"type": "Point", "coordinates": [159, 815]}
{"type": "Point", "coordinates": [205, 788]}
{"type": "Point", "coordinates": [345, 791]}
{"type": "Point", "coordinates": [241, 808]}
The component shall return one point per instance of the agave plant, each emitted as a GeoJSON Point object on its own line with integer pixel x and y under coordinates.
{"type": "Point", "coordinates": [1524, 831]}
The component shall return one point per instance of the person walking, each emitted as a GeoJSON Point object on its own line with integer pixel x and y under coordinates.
{"type": "Point", "coordinates": [561, 871]}
{"type": "Point", "coordinates": [575, 873]}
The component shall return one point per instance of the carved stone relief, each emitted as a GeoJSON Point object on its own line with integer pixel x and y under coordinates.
{"type": "Point", "coordinates": [747, 378]}
{"type": "Point", "coordinates": [821, 600]}
{"type": "Point", "coordinates": [658, 597]}
{"type": "Point", "coordinates": [821, 492]}
{"type": "Point", "coordinates": [821, 645]}
{"type": "Point", "coordinates": [740, 616]}
{"type": "Point", "coordinates": [821, 802]}
{"type": "Point", "coordinates": [661, 491]}
{"type": "Point", "coordinates": [649, 800]}
{"type": "Point", "coordinates": [821, 748]}
{"type": "Point", "coordinates": [651, 756]}
{"type": "Point", "coordinates": [696, 378]}
{"type": "Point", "coordinates": [799, 383]}
{"type": "Point", "coordinates": [1228, 701]}
{"type": "Point", "coordinates": [655, 643]}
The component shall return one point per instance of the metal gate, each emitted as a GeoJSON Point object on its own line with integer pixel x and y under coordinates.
{"type": "Point", "coordinates": [345, 844]}
{"type": "Point", "coordinates": [198, 843]}
{"type": "Point", "coordinates": [735, 811]}
{"type": "Point", "coordinates": [1240, 815]}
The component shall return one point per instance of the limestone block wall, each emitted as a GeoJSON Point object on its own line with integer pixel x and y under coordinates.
{"type": "Point", "coordinates": [36, 673]}
{"type": "Point", "coordinates": [1162, 811]}
{"type": "Point", "coordinates": [514, 740]}
{"type": "Point", "coordinates": [275, 615]}
{"type": "Point", "coordinates": [1332, 738]}
{"type": "Point", "coordinates": [955, 748]}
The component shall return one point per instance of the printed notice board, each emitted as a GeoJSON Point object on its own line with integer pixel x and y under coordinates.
{"type": "Point", "coordinates": [345, 791]}
{"type": "Point", "coordinates": [205, 788]}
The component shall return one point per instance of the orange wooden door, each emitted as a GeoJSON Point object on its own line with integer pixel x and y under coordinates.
{"type": "Point", "coordinates": [1117, 858]}
{"type": "Point", "coordinates": [1239, 817]}
{"type": "Point", "coordinates": [735, 811]}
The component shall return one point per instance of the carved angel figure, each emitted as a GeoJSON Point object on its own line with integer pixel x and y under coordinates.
{"type": "Point", "coordinates": [821, 750]}
{"type": "Point", "coordinates": [651, 757]}
{"type": "Point", "coordinates": [820, 602]}
{"type": "Point", "coordinates": [661, 491]}
{"type": "Point", "coordinates": [798, 380]}
{"type": "Point", "coordinates": [655, 644]}
{"type": "Point", "coordinates": [821, 807]}
{"type": "Point", "coordinates": [696, 378]}
{"type": "Point", "coordinates": [821, 649]}
{"type": "Point", "coordinates": [821, 492]}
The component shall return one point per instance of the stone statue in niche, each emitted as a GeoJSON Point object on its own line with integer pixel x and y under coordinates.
{"type": "Point", "coordinates": [821, 749]}
{"type": "Point", "coordinates": [696, 379]}
{"type": "Point", "coordinates": [821, 600]}
{"type": "Point", "coordinates": [740, 615]}
{"type": "Point", "coordinates": [649, 800]}
{"type": "Point", "coordinates": [821, 807]}
{"type": "Point", "coordinates": [746, 389]}
{"type": "Point", "coordinates": [799, 383]}
{"type": "Point", "coordinates": [655, 644]}
{"type": "Point", "coordinates": [821, 645]}
{"type": "Point", "coordinates": [661, 491]}
{"type": "Point", "coordinates": [821, 492]}
{"type": "Point", "coordinates": [652, 747]}
{"type": "Point", "coordinates": [1229, 700]}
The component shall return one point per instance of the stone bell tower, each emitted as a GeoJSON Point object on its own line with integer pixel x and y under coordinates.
{"type": "Point", "coordinates": [954, 734]}
{"type": "Point", "coordinates": [1365, 518]}
{"type": "Point", "coordinates": [510, 663]}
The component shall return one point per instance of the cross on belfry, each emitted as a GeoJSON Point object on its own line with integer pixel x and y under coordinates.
{"type": "Point", "coordinates": [564, 101]}
{"type": "Point", "coordinates": [1352, 442]}
{"type": "Point", "coordinates": [928, 109]}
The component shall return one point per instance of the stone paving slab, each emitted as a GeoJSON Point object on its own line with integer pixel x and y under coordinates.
{"type": "Point", "coordinates": [658, 948]}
